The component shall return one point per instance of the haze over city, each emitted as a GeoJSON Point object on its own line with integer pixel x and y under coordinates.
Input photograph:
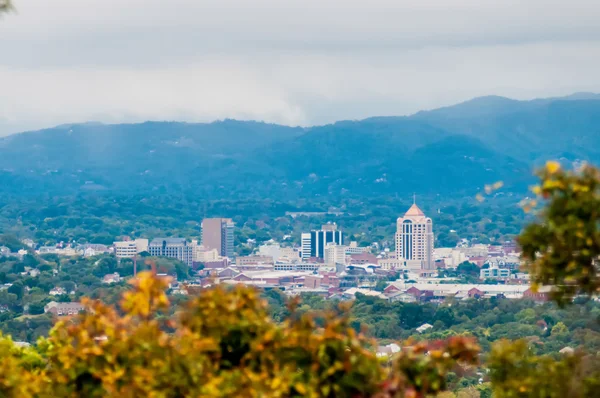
{"type": "Point", "coordinates": [294, 62]}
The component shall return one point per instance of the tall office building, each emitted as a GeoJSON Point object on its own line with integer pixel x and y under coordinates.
{"type": "Point", "coordinates": [305, 245]}
{"type": "Point", "coordinates": [177, 248]}
{"type": "Point", "coordinates": [414, 239]}
{"type": "Point", "coordinates": [217, 233]}
{"type": "Point", "coordinates": [313, 243]}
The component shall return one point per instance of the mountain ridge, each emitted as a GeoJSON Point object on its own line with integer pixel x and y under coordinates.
{"type": "Point", "coordinates": [453, 150]}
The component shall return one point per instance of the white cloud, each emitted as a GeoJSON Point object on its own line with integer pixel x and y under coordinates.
{"type": "Point", "coordinates": [293, 62]}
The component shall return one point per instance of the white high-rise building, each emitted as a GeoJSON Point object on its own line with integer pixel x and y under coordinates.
{"type": "Point", "coordinates": [414, 239]}
{"type": "Point", "coordinates": [305, 240]}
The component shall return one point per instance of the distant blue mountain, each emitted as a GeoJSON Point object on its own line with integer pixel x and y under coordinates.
{"type": "Point", "coordinates": [453, 150]}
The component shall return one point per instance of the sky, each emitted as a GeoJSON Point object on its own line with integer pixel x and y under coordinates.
{"type": "Point", "coordinates": [284, 61]}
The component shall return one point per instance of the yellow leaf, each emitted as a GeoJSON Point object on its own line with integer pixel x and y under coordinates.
{"type": "Point", "coordinates": [536, 189]}
{"type": "Point", "coordinates": [552, 167]}
{"type": "Point", "coordinates": [300, 388]}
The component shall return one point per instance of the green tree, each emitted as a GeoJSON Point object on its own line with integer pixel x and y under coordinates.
{"type": "Point", "coordinates": [468, 268]}
{"type": "Point", "coordinates": [560, 329]}
{"type": "Point", "coordinates": [563, 247]}
{"type": "Point", "coordinates": [380, 285]}
{"type": "Point", "coordinates": [17, 289]}
{"type": "Point", "coordinates": [36, 308]}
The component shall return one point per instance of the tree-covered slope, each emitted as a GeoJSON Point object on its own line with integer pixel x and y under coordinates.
{"type": "Point", "coordinates": [452, 150]}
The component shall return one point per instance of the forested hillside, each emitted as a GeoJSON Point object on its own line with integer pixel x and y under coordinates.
{"type": "Point", "coordinates": [450, 151]}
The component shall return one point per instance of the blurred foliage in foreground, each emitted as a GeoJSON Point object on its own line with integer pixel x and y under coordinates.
{"type": "Point", "coordinates": [563, 248]}
{"type": "Point", "coordinates": [223, 344]}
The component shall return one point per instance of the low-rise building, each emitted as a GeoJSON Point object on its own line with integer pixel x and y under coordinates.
{"type": "Point", "coordinates": [353, 248]}
{"type": "Point", "coordinates": [130, 248]}
{"type": "Point", "coordinates": [400, 296]}
{"type": "Point", "coordinates": [202, 254]}
{"type": "Point", "coordinates": [92, 249]}
{"type": "Point", "coordinates": [391, 263]}
{"type": "Point", "coordinates": [177, 248]}
{"type": "Point", "coordinates": [313, 281]}
{"type": "Point", "coordinates": [351, 293]}
{"type": "Point", "coordinates": [541, 294]}
{"type": "Point", "coordinates": [363, 258]}
{"type": "Point", "coordinates": [254, 260]}
{"type": "Point", "coordinates": [298, 266]}
{"type": "Point", "coordinates": [509, 262]}
{"type": "Point", "coordinates": [494, 273]}
{"type": "Point", "coordinates": [62, 309]}
{"type": "Point", "coordinates": [440, 291]}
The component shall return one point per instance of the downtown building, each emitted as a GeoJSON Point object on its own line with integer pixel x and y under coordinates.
{"type": "Point", "coordinates": [414, 240]}
{"type": "Point", "coordinates": [177, 248]}
{"type": "Point", "coordinates": [313, 243]}
{"type": "Point", "coordinates": [217, 233]}
{"type": "Point", "coordinates": [130, 248]}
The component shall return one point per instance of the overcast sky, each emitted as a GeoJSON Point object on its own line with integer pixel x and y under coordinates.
{"type": "Point", "coordinates": [285, 61]}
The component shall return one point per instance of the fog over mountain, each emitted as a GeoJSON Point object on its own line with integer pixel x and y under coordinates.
{"type": "Point", "coordinates": [298, 62]}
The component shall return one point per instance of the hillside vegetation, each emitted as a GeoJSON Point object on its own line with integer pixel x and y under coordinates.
{"type": "Point", "coordinates": [450, 151]}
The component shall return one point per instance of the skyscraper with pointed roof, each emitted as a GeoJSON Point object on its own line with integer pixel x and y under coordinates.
{"type": "Point", "coordinates": [414, 239]}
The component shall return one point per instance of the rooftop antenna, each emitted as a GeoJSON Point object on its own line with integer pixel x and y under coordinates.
{"type": "Point", "coordinates": [414, 198]}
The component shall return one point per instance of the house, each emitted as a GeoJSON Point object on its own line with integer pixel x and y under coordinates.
{"type": "Point", "coordinates": [111, 278]}
{"type": "Point", "coordinates": [424, 327]}
{"type": "Point", "coordinates": [400, 296]}
{"type": "Point", "coordinates": [28, 242]}
{"type": "Point", "coordinates": [62, 309]}
{"type": "Point", "coordinates": [351, 293]}
{"type": "Point", "coordinates": [388, 350]}
{"type": "Point", "coordinates": [475, 293]}
{"type": "Point", "coordinates": [47, 250]}
{"type": "Point", "coordinates": [419, 295]}
{"type": "Point", "coordinates": [567, 351]}
{"type": "Point", "coordinates": [391, 288]}
{"type": "Point", "coordinates": [57, 291]}
{"type": "Point", "coordinates": [180, 290]}
{"type": "Point", "coordinates": [227, 273]}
